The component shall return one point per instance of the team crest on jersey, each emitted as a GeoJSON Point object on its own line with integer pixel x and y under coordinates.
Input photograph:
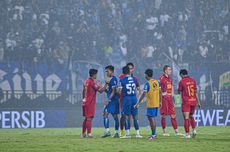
{"type": "Point", "coordinates": [154, 85]}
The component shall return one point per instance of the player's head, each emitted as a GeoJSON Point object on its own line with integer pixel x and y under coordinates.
{"type": "Point", "coordinates": [109, 70]}
{"type": "Point", "coordinates": [148, 74]}
{"type": "Point", "coordinates": [126, 70]}
{"type": "Point", "coordinates": [183, 73]}
{"type": "Point", "coordinates": [93, 73]}
{"type": "Point", "coordinates": [131, 67]}
{"type": "Point", "coordinates": [167, 70]}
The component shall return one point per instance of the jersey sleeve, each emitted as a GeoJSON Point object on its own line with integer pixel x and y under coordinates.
{"type": "Point", "coordinates": [113, 82]}
{"type": "Point", "coordinates": [96, 85]}
{"type": "Point", "coordinates": [146, 87]}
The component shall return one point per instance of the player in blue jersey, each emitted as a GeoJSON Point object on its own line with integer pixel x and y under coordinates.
{"type": "Point", "coordinates": [111, 103]}
{"type": "Point", "coordinates": [128, 88]}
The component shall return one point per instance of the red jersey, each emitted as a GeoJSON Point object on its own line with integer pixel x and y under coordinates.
{"type": "Point", "coordinates": [187, 88]}
{"type": "Point", "coordinates": [90, 90]}
{"type": "Point", "coordinates": [166, 84]}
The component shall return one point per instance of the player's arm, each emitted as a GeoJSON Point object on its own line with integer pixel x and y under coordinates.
{"type": "Point", "coordinates": [163, 91]}
{"type": "Point", "coordinates": [197, 97]}
{"type": "Point", "coordinates": [138, 90]}
{"type": "Point", "coordinates": [179, 90]}
{"type": "Point", "coordinates": [146, 89]}
{"type": "Point", "coordinates": [83, 92]}
{"type": "Point", "coordinates": [102, 89]}
{"type": "Point", "coordinates": [119, 89]}
{"type": "Point", "coordinates": [111, 96]}
{"type": "Point", "coordinates": [198, 100]}
{"type": "Point", "coordinates": [140, 99]}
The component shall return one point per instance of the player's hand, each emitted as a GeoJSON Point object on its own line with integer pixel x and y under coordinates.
{"type": "Point", "coordinates": [98, 83]}
{"type": "Point", "coordinates": [136, 106]}
{"type": "Point", "coordinates": [164, 94]}
{"type": "Point", "coordinates": [199, 105]}
{"type": "Point", "coordinates": [106, 102]}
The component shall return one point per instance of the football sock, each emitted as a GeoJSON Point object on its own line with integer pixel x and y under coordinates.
{"type": "Point", "coordinates": [186, 125]}
{"type": "Point", "coordinates": [116, 123]}
{"type": "Point", "coordinates": [192, 122]}
{"type": "Point", "coordinates": [174, 123]}
{"type": "Point", "coordinates": [163, 122]}
{"type": "Point", "coordinates": [136, 125]}
{"type": "Point", "coordinates": [84, 126]}
{"type": "Point", "coordinates": [89, 125]}
{"type": "Point", "coordinates": [106, 122]}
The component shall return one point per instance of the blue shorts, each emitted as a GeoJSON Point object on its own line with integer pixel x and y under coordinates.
{"type": "Point", "coordinates": [112, 107]}
{"type": "Point", "coordinates": [152, 112]}
{"type": "Point", "coordinates": [128, 105]}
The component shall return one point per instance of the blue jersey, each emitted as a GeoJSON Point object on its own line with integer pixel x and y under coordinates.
{"type": "Point", "coordinates": [128, 85]}
{"type": "Point", "coordinates": [113, 83]}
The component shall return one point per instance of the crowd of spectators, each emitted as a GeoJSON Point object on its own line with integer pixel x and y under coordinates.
{"type": "Point", "coordinates": [55, 31]}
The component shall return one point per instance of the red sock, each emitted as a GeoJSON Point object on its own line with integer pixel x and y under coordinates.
{"type": "Point", "coordinates": [121, 124]}
{"type": "Point", "coordinates": [174, 123]}
{"type": "Point", "coordinates": [163, 122]}
{"type": "Point", "coordinates": [88, 125]}
{"type": "Point", "coordinates": [192, 122]}
{"type": "Point", "coordinates": [84, 126]}
{"type": "Point", "coordinates": [186, 125]}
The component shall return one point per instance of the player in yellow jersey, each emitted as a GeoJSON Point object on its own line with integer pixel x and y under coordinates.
{"type": "Point", "coordinates": [152, 93]}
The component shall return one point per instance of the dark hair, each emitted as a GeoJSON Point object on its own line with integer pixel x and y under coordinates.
{"type": "Point", "coordinates": [149, 72]}
{"type": "Point", "coordinates": [110, 67]}
{"type": "Point", "coordinates": [125, 70]}
{"type": "Point", "coordinates": [92, 72]}
{"type": "Point", "coordinates": [165, 68]}
{"type": "Point", "coordinates": [130, 63]}
{"type": "Point", "coordinates": [183, 72]}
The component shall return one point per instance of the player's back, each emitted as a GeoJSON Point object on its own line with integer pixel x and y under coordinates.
{"type": "Point", "coordinates": [128, 85]}
{"type": "Point", "coordinates": [153, 93]}
{"type": "Point", "coordinates": [188, 88]}
{"type": "Point", "coordinates": [89, 90]}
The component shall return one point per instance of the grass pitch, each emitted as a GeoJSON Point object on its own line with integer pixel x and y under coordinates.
{"type": "Point", "coordinates": [208, 139]}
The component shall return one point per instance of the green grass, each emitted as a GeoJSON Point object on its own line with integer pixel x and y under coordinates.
{"type": "Point", "coordinates": [209, 139]}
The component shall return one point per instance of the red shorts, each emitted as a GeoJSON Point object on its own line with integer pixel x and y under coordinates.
{"type": "Point", "coordinates": [186, 107]}
{"type": "Point", "coordinates": [88, 111]}
{"type": "Point", "coordinates": [167, 107]}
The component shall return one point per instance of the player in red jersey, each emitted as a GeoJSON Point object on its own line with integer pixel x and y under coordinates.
{"type": "Point", "coordinates": [167, 105]}
{"type": "Point", "coordinates": [90, 88]}
{"type": "Point", "coordinates": [188, 90]}
{"type": "Point", "coordinates": [131, 68]}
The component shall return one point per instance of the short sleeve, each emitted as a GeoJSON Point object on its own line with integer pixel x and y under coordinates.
{"type": "Point", "coordinates": [113, 82]}
{"type": "Point", "coordinates": [146, 87]}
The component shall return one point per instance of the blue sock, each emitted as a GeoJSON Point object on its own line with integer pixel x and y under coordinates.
{"type": "Point", "coordinates": [153, 132]}
{"type": "Point", "coordinates": [127, 124]}
{"type": "Point", "coordinates": [116, 123]}
{"type": "Point", "coordinates": [106, 122]}
{"type": "Point", "coordinates": [136, 125]}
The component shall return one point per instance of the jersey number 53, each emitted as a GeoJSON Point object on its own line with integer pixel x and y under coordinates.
{"type": "Point", "coordinates": [131, 88]}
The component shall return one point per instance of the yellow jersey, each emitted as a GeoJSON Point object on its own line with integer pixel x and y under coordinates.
{"type": "Point", "coordinates": [152, 90]}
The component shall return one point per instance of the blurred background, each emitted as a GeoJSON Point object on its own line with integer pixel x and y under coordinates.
{"type": "Point", "coordinates": [48, 46]}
